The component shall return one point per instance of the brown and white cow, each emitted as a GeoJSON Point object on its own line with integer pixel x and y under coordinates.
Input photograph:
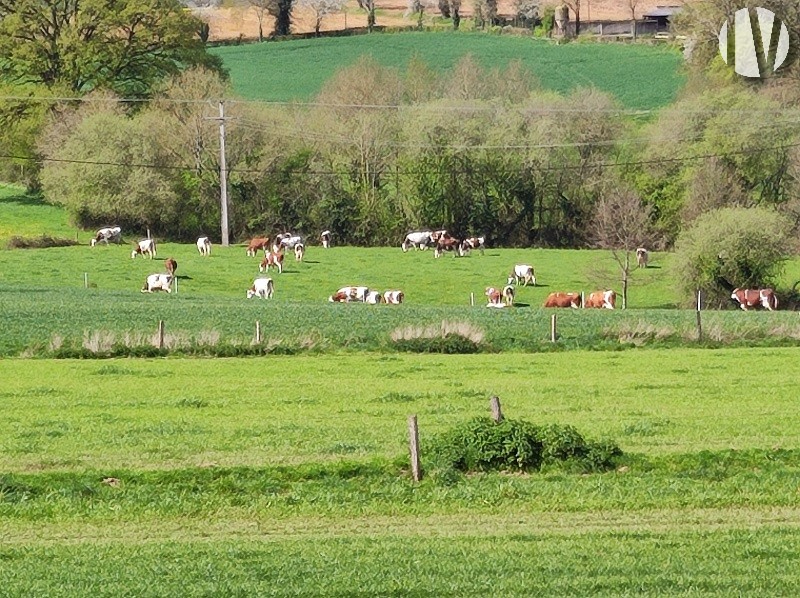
{"type": "Point", "coordinates": [158, 282]}
{"type": "Point", "coordinates": [272, 260]}
{"type": "Point", "coordinates": [748, 298]}
{"type": "Point", "coordinates": [495, 297]}
{"type": "Point", "coordinates": [602, 299]}
{"type": "Point", "coordinates": [471, 243]}
{"type": "Point", "coordinates": [106, 234]}
{"type": "Point", "coordinates": [447, 243]}
{"type": "Point", "coordinates": [523, 273]}
{"type": "Point", "coordinates": [393, 297]}
{"type": "Point", "coordinates": [373, 298]}
{"type": "Point", "coordinates": [262, 287]}
{"type": "Point", "coordinates": [325, 237]}
{"type": "Point", "coordinates": [508, 295]}
{"type": "Point", "coordinates": [559, 299]}
{"type": "Point", "coordinates": [253, 245]}
{"type": "Point", "coordinates": [642, 257]}
{"type": "Point", "coordinates": [299, 252]}
{"type": "Point", "coordinates": [348, 294]}
{"type": "Point", "coordinates": [144, 247]}
{"type": "Point", "coordinates": [170, 265]}
{"type": "Point", "coordinates": [204, 246]}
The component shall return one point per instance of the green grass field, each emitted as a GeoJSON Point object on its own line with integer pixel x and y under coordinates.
{"type": "Point", "coordinates": [288, 476]}
{"type": "Point", "coordinates": [640, 77]}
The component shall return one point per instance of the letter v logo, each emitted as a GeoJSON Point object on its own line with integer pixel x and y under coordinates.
{"type": "Point", "coordinates": [746, 53]}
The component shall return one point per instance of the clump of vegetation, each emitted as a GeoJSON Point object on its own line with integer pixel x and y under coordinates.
{"type": "Point", "coordinates": [481, 444]}
{"type": "Point", "coordinates": [447, 337]}
{"type": "Point", "coordinates": [41, 242]}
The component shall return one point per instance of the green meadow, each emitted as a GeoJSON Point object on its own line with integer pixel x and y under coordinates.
{"type": "Point", "coordinates": [640, 77]}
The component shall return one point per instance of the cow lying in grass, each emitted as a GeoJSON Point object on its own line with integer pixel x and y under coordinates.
{"type": "Point", "coordinates": [572, 300]}
{"type": "Point", "coordinates": [602, 300]}
{"type": "Point", "coordinates": [349, 294]}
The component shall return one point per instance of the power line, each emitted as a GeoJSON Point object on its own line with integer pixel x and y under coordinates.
{"type": "Point", "coordinates": [547, 168]}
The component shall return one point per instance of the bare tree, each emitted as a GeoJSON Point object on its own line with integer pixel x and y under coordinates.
{"type": "Point", "coordinates": [262, 9]}
{"type": "Point", "coordinates": [632, 4]}
{"type": "Point", "coordinates": [321, 9]}
{"type": "Point", "coordinates": [621, 224]}
{"type": "Point", "coordinates": [575, 7]}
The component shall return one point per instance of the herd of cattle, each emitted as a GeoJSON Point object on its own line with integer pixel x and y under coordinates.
{"type": "Point", "coordinates": [439, 240]}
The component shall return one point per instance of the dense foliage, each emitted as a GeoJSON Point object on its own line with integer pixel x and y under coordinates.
{"type": "Point", "coordinates": [481, 444]}
{"type": "Point", "coordinates": [732, 247]}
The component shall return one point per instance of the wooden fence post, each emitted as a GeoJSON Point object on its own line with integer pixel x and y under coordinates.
{"type": "Point", "coordinates": [85, 280]}
{"type": "Point", "coordinates": [583, 303]}
{"type": "Point", "coordinates": [160, 334]}
{"type": "Point", "coordinates": [413, 444]}
{"type": "Point", "coordinates": [497, 413]}
{"type": "Point", "coordinates": [699, 322]}
{"type": "Point", "coordinates": [258, 331]}
{"type": "Point", "coordinates": [472, 299]}
{"type": "Point", "coordinates": [553, 329]}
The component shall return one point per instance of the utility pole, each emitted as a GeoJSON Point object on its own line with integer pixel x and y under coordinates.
{"type": "Point", "coordinates": [223, 177]}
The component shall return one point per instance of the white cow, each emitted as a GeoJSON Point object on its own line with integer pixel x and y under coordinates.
{"type": "Point", "coordinates": [262, 287]}
{"type": "Point", "coordinates": [508, 295]}
{"type": "Point", "coordinates": [522, 272]}
{"type": "Point", "coordinates": [325, 237]}
{"type": "Point", "coordinates": [393, 297]}
{"type": "Point", "coordinates": [373, 298]}
{"type": "Point", "coordinates": [290, 241]}
{"type": "Point", "coordinates": [109, 233]}
{"type": "Point", "coordinates": [158, 282]}
{"type": "Point", "coordinates": [417, 240]}
{"type": "Point", "coordinates": [299, 252]}
{"type": "Point", "coordinates": [204, 246]}
{"type": "Point", "coordinates": [146, 246]}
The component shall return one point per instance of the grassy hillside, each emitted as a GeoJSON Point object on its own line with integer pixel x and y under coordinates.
{"type": "Point", "coordinates": [22, 214]}
{"type": "Point", "coordinates": [640, 77]}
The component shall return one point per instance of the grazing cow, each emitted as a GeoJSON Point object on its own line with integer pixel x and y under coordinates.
{"type": "Point", "coordinates": [253, 245]}
{"type": "Point", "coordinates": [642, 257]}
{"type": "Point", "coordinates": [373, 298]}
{"type": "Point", "coordinates": [272, 260]}
{"type": "Point", "coordinates": [348, 294]}
{"type": "Point", "coordinates": [146, 246]}
{"type": "Point", "coordinates": [158, 282]}
{"type": "Point", "coordinates": [524, 273]}
{"type": "Point", "coordinates": [439, 234]}
{"type": "Point", "coordinates": [204, 246]}
{"type": "Point", "coordinates": [563, 300]}
{"type": "Point", "coordinates": [602, 299]}
{"type": "Point", "coordinates": [289, 241]}
{"type": "Point", "coordinates": [473, 243]}
{"type": "Point", "coordinates": [171, 265]}
{"type": "Point", "coordinates": [325, 237]}
{"type": "Point", "coordinates": [447, 244]}
{"type": "Point", "coordinates": [508, 295]}
{"type": "Point", "coordinates": [299, 252]}
{"type": "Point", "coordinates": [109, 233]}
{"type": "Point", "coordinates": [393, 297]}
{"type": "Point", "coordinates": [495, 297]}
{"type": "Point", "coordinates": [417, 240]}
{"type": "Point", "coordinates": [262, 287]}
{"type": "Point", "coordinates": [748, 298]}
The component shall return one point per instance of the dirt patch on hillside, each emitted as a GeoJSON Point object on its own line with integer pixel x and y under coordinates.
{"type": "Point", "coordinates": [232, 23]}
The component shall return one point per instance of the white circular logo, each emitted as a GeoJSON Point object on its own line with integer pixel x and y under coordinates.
{"type": "Point", "coordinates": [746, 53]}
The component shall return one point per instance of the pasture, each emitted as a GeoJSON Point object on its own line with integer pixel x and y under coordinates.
{"type": "Point", "coordinates": [640, 77]}
{"type": "Point", "coordinates": [288, 475]}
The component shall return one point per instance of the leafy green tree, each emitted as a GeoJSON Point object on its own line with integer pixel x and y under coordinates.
{"type": "Point", "coordinates": [122, 45]}
{"type": "Point", "coordinates": [731, 247]}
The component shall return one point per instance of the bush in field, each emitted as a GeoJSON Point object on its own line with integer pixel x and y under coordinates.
{"type": "Point", "coordinates": [40, 242]}
{"type": "Point", "coordinates": [731, 247]}
{"type": "Point", "coordinates": [481, 444]}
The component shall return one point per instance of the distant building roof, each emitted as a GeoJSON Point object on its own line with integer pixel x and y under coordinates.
{"type": "Point", "coordinates": [662, 11]}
